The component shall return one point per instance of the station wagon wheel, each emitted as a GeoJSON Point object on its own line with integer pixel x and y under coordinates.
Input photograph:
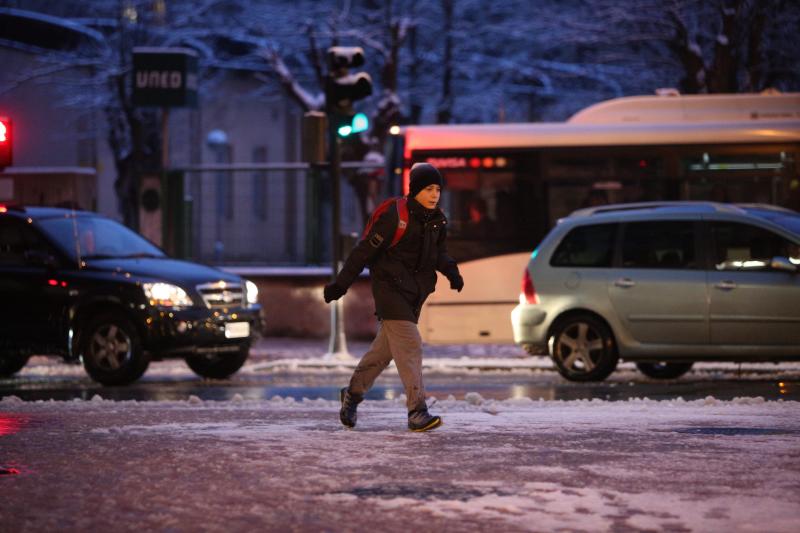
{"type": "Point", "coordinates": [583, 348]}
{"type": "Point", "coordinates": [111, 350]}
{"type": "Point", "coordinates": [218, 365]}
{"type": "Point", "coordinates": [12, 362]}
{"type": "Point", "coordinates": [664, 370]}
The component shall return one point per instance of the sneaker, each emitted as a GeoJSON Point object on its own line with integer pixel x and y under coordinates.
{"type": "Point", "coordinates": [421, 420]}
{"type": "Point", "coordinates": [347, 414]}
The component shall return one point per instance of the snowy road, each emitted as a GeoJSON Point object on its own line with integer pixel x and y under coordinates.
{"type": "Point", "coordinates": [514, 465]}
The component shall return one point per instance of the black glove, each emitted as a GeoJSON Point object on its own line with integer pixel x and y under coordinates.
{"type": "Point", "coordinates": [333, 292]}
{"type": "Point", "coordinates": [457, 283]}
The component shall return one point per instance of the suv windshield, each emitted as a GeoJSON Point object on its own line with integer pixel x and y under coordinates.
{"type": "Point", "coordinates": [96, 237]}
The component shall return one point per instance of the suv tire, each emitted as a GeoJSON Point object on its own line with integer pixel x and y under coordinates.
{"type": "Point", "coordinates": [12, 362]}
{"type": "Point", "coordinates": [583, 348]}
{"type": "Point", "coordinates": [218, 365]}
{"type": "Point", "coordinates": [662, 370]}
{"type": "Point", "coordinates": [111, 350]}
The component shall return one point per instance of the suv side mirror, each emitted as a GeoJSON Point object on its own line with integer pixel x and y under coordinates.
{"type": "Point", "coordinates": [783, 264]}
{"type": "Point", "coordinates": [40, 258]}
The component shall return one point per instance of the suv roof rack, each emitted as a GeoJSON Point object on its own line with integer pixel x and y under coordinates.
{"type": "Point", "coordinates": [613, 208]}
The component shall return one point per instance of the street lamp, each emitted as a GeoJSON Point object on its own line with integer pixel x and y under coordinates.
{"type": "Point", "coordinates": [217, 141]}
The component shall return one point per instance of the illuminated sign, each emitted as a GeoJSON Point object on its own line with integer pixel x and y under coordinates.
{"type": "Point", "coordinates": [468, 162]}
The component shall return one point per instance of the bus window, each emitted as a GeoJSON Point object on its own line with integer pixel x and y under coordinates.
{"type": "Point", "coordinates": [578, 181]}
{"type": "Point", "coordinates": [746, 178]}
{"type": "Point", "coordinates": [488, 203]}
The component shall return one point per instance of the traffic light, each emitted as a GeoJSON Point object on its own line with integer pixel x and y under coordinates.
{"type": "Point", "coordinates": [342, 88]}
{"type": "Point", "coordinates": [359, 123]}
{"type": "Point", "coordinates": [6, 143]}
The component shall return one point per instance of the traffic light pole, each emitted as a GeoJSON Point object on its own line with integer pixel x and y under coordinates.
{"type": "Point", "coordinates": [337, 345]}
{"type": "Point", "coordinates": [341, 90]}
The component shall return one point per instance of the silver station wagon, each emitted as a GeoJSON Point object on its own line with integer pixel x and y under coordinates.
{"type": "Point", "coordinates": [664, 285]}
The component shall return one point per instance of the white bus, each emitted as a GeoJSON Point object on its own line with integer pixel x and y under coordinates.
{"type": "Point", "coordinates": [508, 184]}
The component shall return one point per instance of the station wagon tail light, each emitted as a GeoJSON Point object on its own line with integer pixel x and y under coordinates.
{"type": "Point", "coordinates": [528, 294]}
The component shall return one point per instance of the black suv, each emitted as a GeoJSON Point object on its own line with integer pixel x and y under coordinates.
{"type": "Point", "coordinates": [80, 285]}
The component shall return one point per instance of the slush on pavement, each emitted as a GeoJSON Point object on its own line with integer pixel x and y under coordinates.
{"type": "Point", "coordinates": [512, 465]}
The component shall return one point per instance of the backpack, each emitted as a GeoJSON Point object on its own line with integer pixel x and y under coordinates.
{"type": "Point", "coordinates": [401, 204]}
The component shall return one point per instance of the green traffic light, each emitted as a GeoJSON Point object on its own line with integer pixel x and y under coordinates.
{"type": "Point", "coordinates": [359, 123]}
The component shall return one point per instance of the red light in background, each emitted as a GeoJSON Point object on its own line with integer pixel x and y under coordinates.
{"type": "Point", "coordinates": [488, 162]}
{"type": "Point", "coordinates": [6, 142]}
{"type": "Point", "coordinates": [642, 163]}
{"type": "Point", "coordinates": [52, 282]}
{"type": "Point", "coordinates": [3, 209]}
{"type": "Point", "coordinates": [10, 424]}
{"type": "Point", "coordinates": [475, 162]}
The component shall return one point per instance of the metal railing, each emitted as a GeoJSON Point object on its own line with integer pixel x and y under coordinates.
{"type": "Point", "coordinates": [257, 213]}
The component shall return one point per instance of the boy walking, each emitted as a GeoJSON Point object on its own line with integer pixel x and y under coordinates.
{"type": "Point", "coordinates": [403, 274]}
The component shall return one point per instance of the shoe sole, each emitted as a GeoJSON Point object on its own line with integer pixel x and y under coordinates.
{"type": "Point", "coordinates": [341, 418]}
{"type": "Point", "coordinates": [433, 424]}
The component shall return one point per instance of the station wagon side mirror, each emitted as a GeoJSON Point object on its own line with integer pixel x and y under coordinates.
{"type": "Point", "coordinates": [783, 264]}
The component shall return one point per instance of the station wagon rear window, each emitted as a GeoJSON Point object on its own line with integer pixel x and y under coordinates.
{"type": "Point", "coordinates": [586, 246]}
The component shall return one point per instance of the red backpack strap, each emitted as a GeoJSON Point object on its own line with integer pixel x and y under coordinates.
{"type": "Point", "coordinates": [402, 219]}
{"type": "Point", "coordinates": [376, 214]}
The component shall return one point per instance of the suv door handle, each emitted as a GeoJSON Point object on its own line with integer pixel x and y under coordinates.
{"type": "Point", "coordinates": [726, 285]}
{"type": "Point", "coordinates": [625, 283]}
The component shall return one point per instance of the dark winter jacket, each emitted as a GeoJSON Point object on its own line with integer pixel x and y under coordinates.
{"type": "Point", "coordinates": [405, 274]}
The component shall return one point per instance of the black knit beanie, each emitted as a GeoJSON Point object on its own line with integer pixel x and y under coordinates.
{"type": "Point", "coordinates": [422, 175]}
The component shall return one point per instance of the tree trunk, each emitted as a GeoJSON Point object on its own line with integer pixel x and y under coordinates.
{"type": "Point", "coordinates": [444, 112]}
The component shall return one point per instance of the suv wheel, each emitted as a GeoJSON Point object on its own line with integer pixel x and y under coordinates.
{"type": "Point", "coordinates": [583, 348]}
{"type": "Point", "coordinates": [12, 362]}
{"type": "Point", "coordinates": [112, 351]}
{"type": "Point", "coordinates": [218, 365]}
{"type": "Point", "coordinates": [662, 370]}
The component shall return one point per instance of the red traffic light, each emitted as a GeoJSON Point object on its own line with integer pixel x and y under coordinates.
{"type": "Point", "coordinates": [5, 130]}
{"type": "Point", "coordinates": [6, 137]}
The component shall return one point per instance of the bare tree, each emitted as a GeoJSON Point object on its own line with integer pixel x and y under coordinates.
{"type": "Point", "coordinates": [710, 47]}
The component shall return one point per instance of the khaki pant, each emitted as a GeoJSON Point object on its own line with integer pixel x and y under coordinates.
{"type": "Point", "coordinates": [398, 340]}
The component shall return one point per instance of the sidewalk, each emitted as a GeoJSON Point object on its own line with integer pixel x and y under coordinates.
{"type": "Point", "coordinates": [281, 352]}
{"type": "Point", "coordinates": [271, 348]}
{"type": "Point", "coordinates": [294, 353]}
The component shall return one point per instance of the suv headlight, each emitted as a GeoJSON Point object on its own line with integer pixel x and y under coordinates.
{"type": "Point", "coordinates": [251, 292]}
{"type": "Point", "coordinates": [166, 295]}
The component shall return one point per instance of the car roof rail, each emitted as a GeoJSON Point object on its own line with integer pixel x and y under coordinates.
{"type": "Point", "coordinates": [768, 207]}
{"type": "Point", "coordinates": [615, 208]}
{"type": "Point", "coordinates": [6, 207]}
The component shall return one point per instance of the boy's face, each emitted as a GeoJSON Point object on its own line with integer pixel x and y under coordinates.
{"type": "Point", "coordinates": [429, 196]}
